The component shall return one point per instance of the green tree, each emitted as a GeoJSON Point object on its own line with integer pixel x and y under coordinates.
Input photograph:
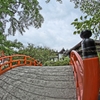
{"type": "Point", "coordinates": [56, 0]}
{"type": "Point", "coordinates": [16, 47]}
{"type": "Point", "coordinates": [91, 19]}
{"type": "Point", "coordinates": [9, 47]}
{"type": "Point", "coordinates": [39, 53]}
{"type": "Point", "coordinates": [19, 14]}
{"type": "Point", "coordinates": [2, 41]}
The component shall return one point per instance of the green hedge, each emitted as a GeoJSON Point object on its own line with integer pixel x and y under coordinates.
{"type": "Point", "coordinates": [58, 63]}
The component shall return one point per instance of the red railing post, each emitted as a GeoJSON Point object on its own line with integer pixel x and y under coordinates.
{"type": "Point", "coordinates": [25, 60]}
{"type": "Point", "coordinates": [91, 79]}
{"type": "Point", "coordinates": [10, 60]}
{"type": "Point", "coordinates": [87, 79]}
{"type": "Point", "coordinates": [91, 67]}
{"type": "Point", "coordinates": [35, 62]}
{"type": "Point", "coordinates": [18, 62]}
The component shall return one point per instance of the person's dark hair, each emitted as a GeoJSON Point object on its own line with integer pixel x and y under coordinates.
{"type": "Point", "coordinates": [86, 34]}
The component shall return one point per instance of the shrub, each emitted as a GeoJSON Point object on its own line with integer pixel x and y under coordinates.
{"type": "Point", "coordinates": [58, 63]}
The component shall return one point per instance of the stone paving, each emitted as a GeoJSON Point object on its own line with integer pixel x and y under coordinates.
{"type": "Point", "coordinates": [38, 83]}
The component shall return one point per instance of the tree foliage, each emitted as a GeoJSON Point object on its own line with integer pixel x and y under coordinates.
{"type": "Point", "coordinates": [47, 1]}
{"type": "Point", "coordinates": [16, 15]}
{"type": "Point", "coordinates": [91, 19]}
{"type": "Point", "coordinates": [63, 62]}
{"type": "Point", "coordinates": [42, 54]}
{"type": "Point", "coordinates": [9, 47]}
{"type": "Point", "coordinates": [19, 14]}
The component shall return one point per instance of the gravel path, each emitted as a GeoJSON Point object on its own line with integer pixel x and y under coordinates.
{"type": "Point", "coordinates": [38, 83]}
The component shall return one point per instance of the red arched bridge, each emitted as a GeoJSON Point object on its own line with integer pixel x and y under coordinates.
{"type": "Point", "coordinates": [49, 82]}
{"type": "Point", "coordinates": [9, 62]}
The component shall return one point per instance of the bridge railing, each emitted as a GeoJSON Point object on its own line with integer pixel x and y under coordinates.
{"type": "Point", "coordinates": [9, 62]}
{"type": "Point", "coordinates": [77, 63]}
{"type": "Point", "coordinates": [86, 73]}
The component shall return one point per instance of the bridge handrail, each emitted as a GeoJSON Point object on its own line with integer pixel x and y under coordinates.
{"type": "Point", "coordinates": [78, 58]}
{"type": "Point", "coordinates": [86, 73]}
{"type": "Point", "coordinates": [9, 62]}
{"type": "Point", "coordinates": [77, 64]}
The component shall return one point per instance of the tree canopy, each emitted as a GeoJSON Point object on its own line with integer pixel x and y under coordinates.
{"type": "Point", "coordinates": [91, 19]}
{"type": "Point", "coordinates": [56, 0]}
{"type": "Point", "coordinates": [19, 14]}
{"type": "Point", "coordinates": [8, 46]}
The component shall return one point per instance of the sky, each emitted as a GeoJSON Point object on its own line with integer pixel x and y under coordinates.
{"type": "Point", "coordinates": [56, 31]}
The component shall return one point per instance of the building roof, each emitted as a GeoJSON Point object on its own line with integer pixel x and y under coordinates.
{"type": "Point", "coordinates": [78, 46]}
{"type": "Point", "coordinates": [62, 51]}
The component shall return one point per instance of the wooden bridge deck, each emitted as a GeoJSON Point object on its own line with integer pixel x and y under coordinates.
{"type": "Point", "coordinates": [38, 83]}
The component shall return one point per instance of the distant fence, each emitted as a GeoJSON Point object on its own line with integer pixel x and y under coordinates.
{"type": "Point", "coordinates": [9, 62]}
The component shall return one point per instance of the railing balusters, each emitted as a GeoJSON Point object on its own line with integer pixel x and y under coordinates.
{"type": "Point", "coordinates": [10, 60]}
{"type": "Point", "coordinates": [12, 63]}
{"type": "Point", "coordinates": [25, 60]}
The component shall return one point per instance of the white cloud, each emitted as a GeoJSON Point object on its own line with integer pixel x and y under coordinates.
{"type": "Point", "coordinates": [56, 31]}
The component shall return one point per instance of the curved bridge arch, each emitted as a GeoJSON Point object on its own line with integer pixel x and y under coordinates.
{"type": "Point", "coordinates": [9, 62]}
{"type": "Point", "coordinates": [86, 73]}
{"type": "Point", "coordinates": [77, 64]}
